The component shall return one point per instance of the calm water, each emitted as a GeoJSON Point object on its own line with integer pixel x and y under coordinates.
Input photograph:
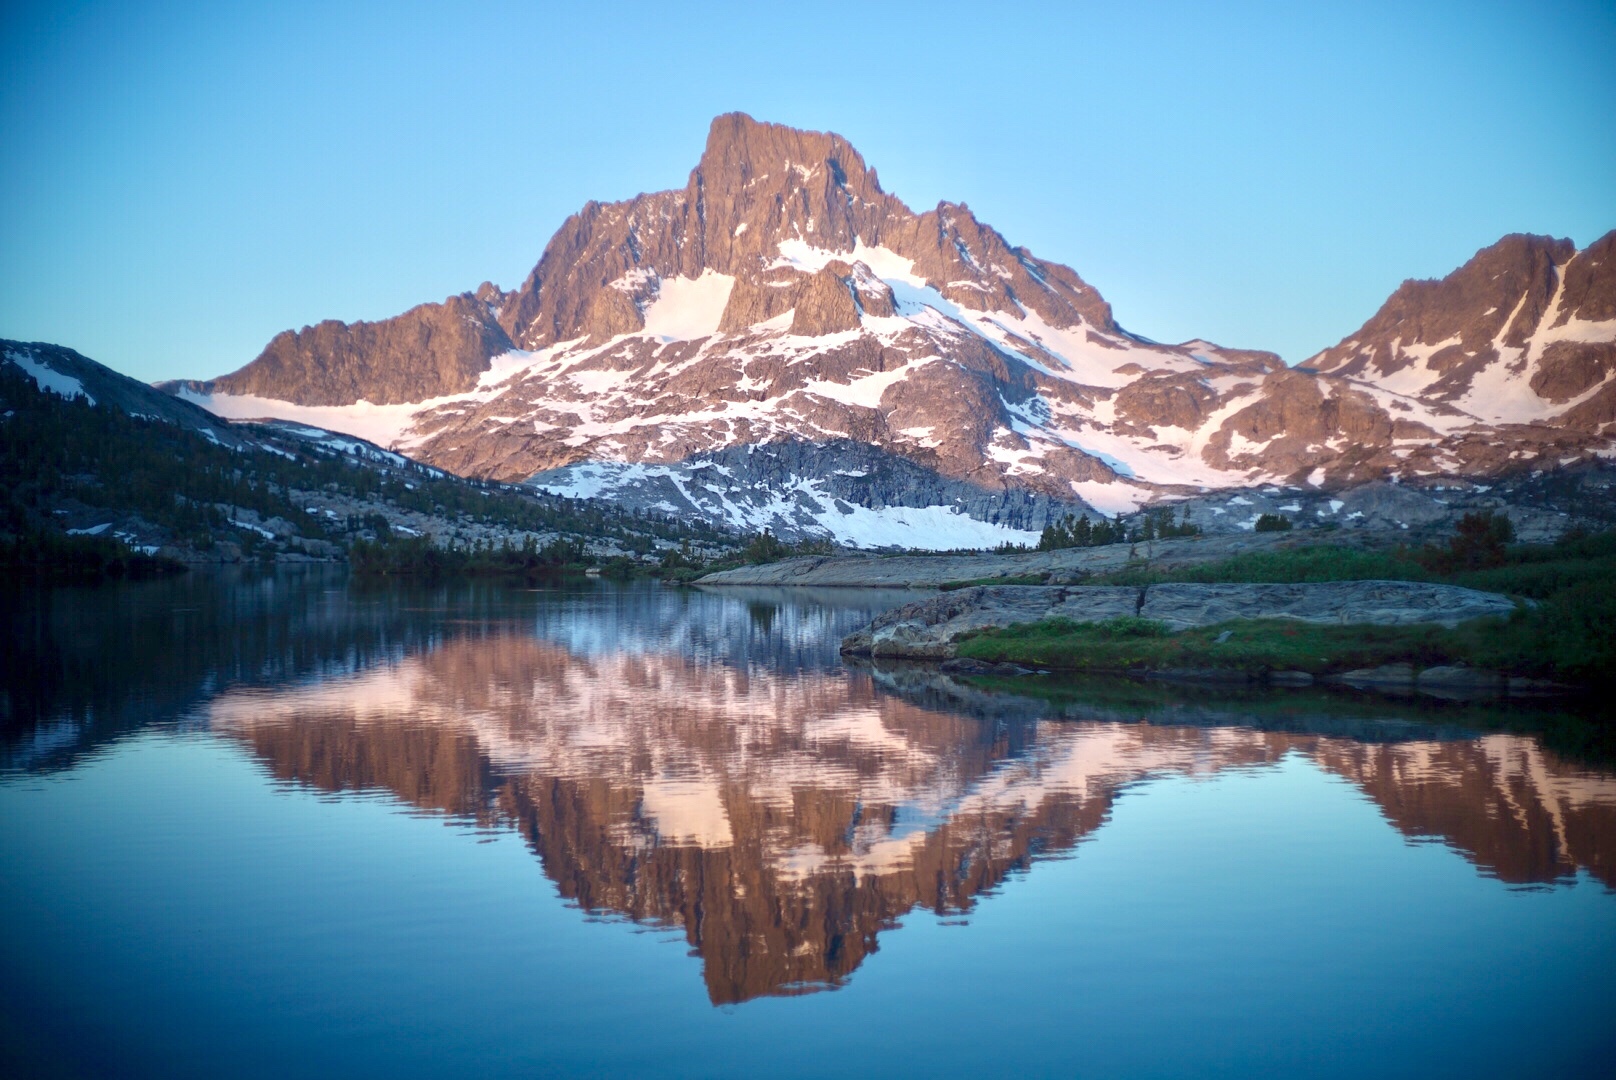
{"type": "Point", "coordinates": [284, 826]}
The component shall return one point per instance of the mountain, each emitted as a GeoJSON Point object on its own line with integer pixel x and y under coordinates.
{"type": "Point", "coordinates": [783, 304]}
{"type": "Point", "coordinates": [429, 351]}
{"type": "Point", "coordinates": [1524, 333]}
{"type": "Point", "coordinates": [64, 374]}
{"type": "Point", "coordinates": [89, 456]}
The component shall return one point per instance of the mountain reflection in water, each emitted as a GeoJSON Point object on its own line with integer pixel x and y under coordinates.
{"type": "Point", "coordinates": [783, 816]}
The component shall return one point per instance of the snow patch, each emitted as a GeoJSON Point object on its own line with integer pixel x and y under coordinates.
{"type": "Point", "coordinates": [384, 425]}
{"type": "Point", "coordinates": [689, 308]}
{"type": "Point", "coordinates": [1113, 498]}
{"type": "Point", "coordinates": [865, 392]}
{"type": "Point", "coordinates": [934, 528]}
{"type": "Point", "coordinates": [48, 378]}
{"type": "Point", "coordinates": [884, 262]}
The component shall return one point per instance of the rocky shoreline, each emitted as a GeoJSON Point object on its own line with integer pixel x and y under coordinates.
{"type": "Point", "coordinates": [932, 629]}
{"type": "Point", "coordinates": [1063, 566]}
{"type": "Point", "coordinates": [935, 629]}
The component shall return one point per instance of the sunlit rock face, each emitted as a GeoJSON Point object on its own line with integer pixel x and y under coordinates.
{"type": "Point", "coordinates": [785, 820]}
{"type": "Point", "coordinates": [782, 296]}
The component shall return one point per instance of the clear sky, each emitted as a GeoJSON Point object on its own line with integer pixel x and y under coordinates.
{"type": "Point", "coordinates": [182, 181]}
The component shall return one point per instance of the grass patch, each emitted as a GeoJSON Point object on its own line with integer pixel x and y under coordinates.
{"type": "Point", "coordinates": [1571, 638]}
{"type": "Point", "coordinates": [1252, 645]}
{"type": "Point", "coordinates": [1018, 579]}
{"type": "Point", "coordinates": [1321, 562]}
{"type": "Point", "coordinates": [1569, 633]}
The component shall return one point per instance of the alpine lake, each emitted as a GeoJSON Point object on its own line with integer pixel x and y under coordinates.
{"type": "Point", "coordinates": [287, 823]}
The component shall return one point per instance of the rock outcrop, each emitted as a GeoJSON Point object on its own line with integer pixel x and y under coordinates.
{"type": "Point", "coordinates": [429, 351]}
{"type": "Point", "coordinates": [931, 629]}
{"type": "Point", "coordinates": [1375, 603]}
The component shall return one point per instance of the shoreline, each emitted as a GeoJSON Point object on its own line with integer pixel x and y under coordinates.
{"type": "Point", "coordinates": [1399, 636]}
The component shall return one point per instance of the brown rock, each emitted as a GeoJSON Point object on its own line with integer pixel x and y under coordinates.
{"type": "Point", "coordinates": [826, 304]}
{"type": "Point", "coordinates": [1571, 368]}
{"type": "Point", "coordinates": [1181, 401]}
{"type": "Point", "coordinates": [1510, 282]}
{"type": "Point", "coordinates": [1590, 283]}
{"type": "Point", "coordinates": [429, 351]}
{"type": "Point", "coordinates": [758, 298]}
{"type": "Point", "coordinates": [1000, 407]}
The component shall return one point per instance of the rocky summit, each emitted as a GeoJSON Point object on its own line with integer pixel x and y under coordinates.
{"type": "Point", "coordinates": [913, 378]}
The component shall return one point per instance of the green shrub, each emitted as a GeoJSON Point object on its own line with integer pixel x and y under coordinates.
{"type": "Point", "coordinates": [1319, 562]}
{"type": "Point", "coordinates": [1479, 543]}
{"type": "Point", "coordinates": [1071, 532]}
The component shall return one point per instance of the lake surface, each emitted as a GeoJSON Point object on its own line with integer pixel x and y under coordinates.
{"type": "Point", "coordinates": [288, 825]}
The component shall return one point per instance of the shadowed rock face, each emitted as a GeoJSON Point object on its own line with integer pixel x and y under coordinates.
{"type": "Point", "coordinates": [107, 388]}
{"type": "Point", "coordinates": [784, 821]}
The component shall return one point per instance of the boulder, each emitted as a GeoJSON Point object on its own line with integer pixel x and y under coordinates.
{"type": "Point", "coordinates": [1385, 677]}
{"type": "Point", "coordinates": [931, 629]}
{"type": "Point", "coordinates": [1385, 603]}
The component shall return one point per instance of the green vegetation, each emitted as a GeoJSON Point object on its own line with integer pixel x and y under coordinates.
{"type": "Point", "coordinates": [1017, 579]}
{"type": "Point", "coordinates": [1478, 543]}
{"type": "Point", "coordinates": [765, 547]}
{"type": "Point", "coordinates": [1253, 646]}
{"type": "Point", "coordinates": [1273, 523]}
{"type": "Point", "coordinates": [417, 556]}
{"type": "Point", "coordinates": [56, 452]}
{"type": "Point", "coordinates": [53, 557]}
{"type": "Point", "coordinates": [1320, 562]}
{"type": "Point", "coordinates": [1075, 532]}
{"type": "Point", "coordinates": [1478, 556]}
{"type": "Point", "coordinates": [1071, 532]}
{"type": "Point", "coordinates": [1567, 632]}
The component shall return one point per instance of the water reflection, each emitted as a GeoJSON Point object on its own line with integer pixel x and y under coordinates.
{"type": "Point", "coordinates": [784, 813]}
{"type": "Point", "coordinates": [83, 667]}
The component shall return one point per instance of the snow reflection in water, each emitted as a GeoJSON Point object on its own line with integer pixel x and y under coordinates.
{"type": "Point", "coordinates": [784, 814]}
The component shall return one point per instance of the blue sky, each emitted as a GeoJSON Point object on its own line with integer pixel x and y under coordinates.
{"type": "Point", "coordinates": [182, 181]}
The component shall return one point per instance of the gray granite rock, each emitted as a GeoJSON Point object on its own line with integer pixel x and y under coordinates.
{"type": "Point", "coordinates": [1384, 603]}
{"type": "Point", "coordinates": [931, 629]}
{"type": "Point", "coordinates": [1062, 566]}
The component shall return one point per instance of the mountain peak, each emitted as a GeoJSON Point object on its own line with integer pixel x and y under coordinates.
{"type": "Point", "coordinates": [1512, 336]}
{"type": "Point", "coordinates": [741, 148]}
